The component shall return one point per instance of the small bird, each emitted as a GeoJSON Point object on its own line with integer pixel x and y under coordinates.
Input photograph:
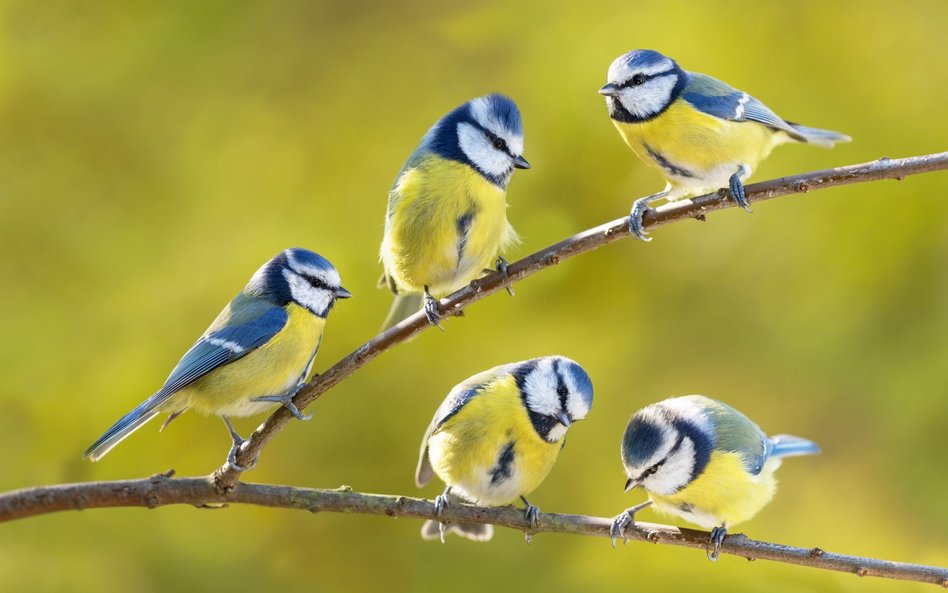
{"type": "Point", "coordinates": [257, 353]}
{"type": "Point", "coordinates": [697, 132]}
{"type": "Point", "coordinates": [497, 434]}
{"type": "Point", "coordinates": [446, 222]}
{"type": "Point", "coordinates": [704, 461]}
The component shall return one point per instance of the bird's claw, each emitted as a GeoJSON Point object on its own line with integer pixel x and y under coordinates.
{"type": "Point", "coordinates": [431, 311]}
{"type": "Point", "coordinates": [714, 544]}
{"type": "Point", "coordinates": [441, 503]}
{"type": "Point", "coordinates": [617, 530]}
{"type": "Point", "coordinates": [232, 458]}
{"type": "Point", "coordinates": [635, 219]}
{"type": "Point", "coordinates": [286, 400]}
{"type": "Point", "coordinates": [736, 188]}
{"type": "Point", "coordinates": [502, 268]}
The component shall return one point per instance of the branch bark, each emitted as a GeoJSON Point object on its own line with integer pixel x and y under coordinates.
{"type": "Point", "coordinates": [162, 489]}
{"type": "Point", "coordinates": [226, 476]}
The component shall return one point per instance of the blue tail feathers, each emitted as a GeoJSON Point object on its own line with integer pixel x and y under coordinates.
{"type": "Point", "coordinates": [125, 426]}
{"type": "Point", "coordinates": [825, 138]}
{"type": "Point", "coordinates": [785, 445]}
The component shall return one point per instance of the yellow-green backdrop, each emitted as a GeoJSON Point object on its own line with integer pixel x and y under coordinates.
{"type": "Point", "coordinates": [152, 155]}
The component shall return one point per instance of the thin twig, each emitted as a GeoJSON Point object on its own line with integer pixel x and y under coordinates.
{"type": "Point", "coordinates": [162, 489]}
{"type": "Point", "coordinates": [226, 476]}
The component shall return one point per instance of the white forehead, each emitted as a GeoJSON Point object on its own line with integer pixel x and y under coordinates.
{"type": "Point", "coordinates": [620, 70]}
{"type": "Point", "coordinates": [575, 403]}
{"type": "Point", "coordinates": [689, 408]}
{"type": "Point", "coordinates": [482, 113]}
{"type": "Point", "coordinates": [328, 275]}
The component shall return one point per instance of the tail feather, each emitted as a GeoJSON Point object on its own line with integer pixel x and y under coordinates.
{"type": "Point", "coordinates": [125, 426]}
{"type": "Point", "coordinates": [824, 138]}
{"type": "Point", "coordinates": [404, 306]}
{"type": "Point", "coordinates": [478, 532]}
{"type": "Point", "coordinates": [785, 445]}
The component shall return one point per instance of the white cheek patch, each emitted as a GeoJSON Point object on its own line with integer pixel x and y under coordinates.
{"type": "Point", "coordinates": [540, 388]}
{"type": "Point", "coordinates": [483, 114]}
{"type": "Point", "coordinates": [648, 99]}
{"type": "Point", "coordinates": [481, 152]}
{"type": "Point", "coordinates": [675, 472]}
{"type": "Point", "coordinates": [556, 433]}
{"type": "Point", "coordinates": [316, 300]}
{"type": "Point", "coordinates": [329, 276]}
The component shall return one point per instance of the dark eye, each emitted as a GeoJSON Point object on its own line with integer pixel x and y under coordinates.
{"type": "Point", "coordinates": [562, 391]}
{"type": "Point", "coordinates": [638, 79]}
{"type": "Point", "coordinates": [316, 282]}
{"type": "Point", "coordinates": [499, 144]}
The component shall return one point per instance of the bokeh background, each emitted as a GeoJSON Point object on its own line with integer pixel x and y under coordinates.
{"type": "Point", "coordinates": [152, 155]}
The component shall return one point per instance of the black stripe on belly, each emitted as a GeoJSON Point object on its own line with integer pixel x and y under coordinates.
{"type": "Point", "coordinates": [503, 469]}
{"type": "Point", "coordinates": [463, 225]}
{"type": "Point", "coordinates": [664, 163]}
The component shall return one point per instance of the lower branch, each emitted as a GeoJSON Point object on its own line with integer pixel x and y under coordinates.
{"type": "Point", "coordinates": [162, 489]}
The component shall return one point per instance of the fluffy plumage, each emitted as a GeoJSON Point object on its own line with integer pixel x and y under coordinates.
{"type": "Point", "coordinates": [261, 345]}
{"type": "Point", "coordinates": [704, 461]}
{"type": "Point", "coordinates": [497, 434]}
{"type": "Point", "coordinates": [447, 210]}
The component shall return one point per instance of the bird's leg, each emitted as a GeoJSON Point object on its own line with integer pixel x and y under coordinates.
{"type": "Point", "coordinates": [502, 268]}
{"type": "Point", "coordinates": [238, 441]}
{"type": "Point", "coordinates": [531, 512]}
{"type": "Point", "coordinates": [624, 519]}
{"type": "Point", "coordinates": [431, 310]}
{"type": "Point", "coordinates": [441, 503]}
{"type": "Point", "coordinates": [714, 544]}
{"type": "Point", "coordinates": [737, 187]}
{"type": "Point", "coordinates": [638, 211]}
{"type": "Point", "coordinates": [286, 400]}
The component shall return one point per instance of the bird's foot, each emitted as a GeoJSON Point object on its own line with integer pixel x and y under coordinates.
{"type": "Point", "coordinates": [623, 520]}
{"type": "Point", "coordinates": [714, 544]}
{"type": "Point", "coordinates": [532, 514]}
{"type": "Point", "coordinates": [441, 503]}
{"type": "Point", "coordinates": [431, 310]}
{"type": "Point", "coordinates": [736, 188]}
{"type": "Point", "coordinates": [286, 400]}
{"type": "Point", "coordinates": [502, 268]}
{"type": "Point", "coordinates": [235, 448]}
{"type": "Point", "coordinates": [635, 219]}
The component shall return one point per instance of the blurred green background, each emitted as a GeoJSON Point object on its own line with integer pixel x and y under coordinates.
{"type": "Point", "coordinates": [152, 155]}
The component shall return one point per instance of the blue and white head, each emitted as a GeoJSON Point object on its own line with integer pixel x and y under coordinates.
{"type": "Point", "coordinates": [641, 85]}
{"type": "Point", "coordinates": [485, 133]}
{"type": "Point", "coordinates": [556, 392]}
{"type": "Point", "coordinates": [300, 276]}
{"type": "Point", "coordinates": [667, 445]}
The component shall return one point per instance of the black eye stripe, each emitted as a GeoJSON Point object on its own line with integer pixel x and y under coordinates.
{"type": "Point", "coordinates": [495, 139]}
{"type": "Point", "coordinates": [645, 78]}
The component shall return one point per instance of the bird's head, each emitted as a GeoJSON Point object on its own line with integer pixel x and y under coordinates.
{"type": "Point", "coordinates": [300, 276]}
{"type": "Point", "coordinates": [556, 392]}
{"type": "Point", "coordinates": [641, 84]}
{"type": "Point", "coordinates": [485, 133]}
{"type": "Point", "coordinates": [667, 445]}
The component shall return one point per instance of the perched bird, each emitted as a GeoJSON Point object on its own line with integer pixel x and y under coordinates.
{"type": "Point", "coordinates": [704, 461]}
{"type": "Point", "coordinates": [447, 210]}
{"type": "Point", "coordinates": [496, 436]}
{"type": "Point", "coordinates": [257, 353]}
{"type": "Point", "coordinates": [697, 132]}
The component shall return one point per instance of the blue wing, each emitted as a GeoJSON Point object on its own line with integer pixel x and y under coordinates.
{"type": "Point", "coordinates": [710, 95]}
{"type": "Point", "coordinates": [224, 345]}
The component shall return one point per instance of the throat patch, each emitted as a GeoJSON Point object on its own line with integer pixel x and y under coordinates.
{"type": "Point", "coordinates": [664, 163]}
{"type": "Point", "coordinates": [503, 468]}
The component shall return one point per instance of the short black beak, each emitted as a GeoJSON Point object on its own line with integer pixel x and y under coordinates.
{"type": "Point", "coordinates": [610, 90]}
{"type": "Point", "coordinates": [341, 293]}
{"type": "Point", "coordinates": [564, 419]}
{"type": "Point", "coordinates": [521, 163]}
{"type": "Point", "coordinates": [630, 484]}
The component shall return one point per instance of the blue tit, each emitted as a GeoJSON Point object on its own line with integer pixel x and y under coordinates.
{"type": "Point", "coordinates": [447, 210]}
{"type": "Point", "coordinates": [257, 353]}
{"type": "Point", "coordinates": [704, 461]}
{"type": "Point", "coordinates": [697, 132]}
{"type": "Point", "coordinates": [497, 434]}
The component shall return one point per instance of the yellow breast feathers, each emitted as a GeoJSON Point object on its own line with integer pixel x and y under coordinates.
{"type": "Point", "coordinates": [489, 452]}
{"type": "Point", "coordinates": [447, 223]}
{"type": "Point", "coordinates": [271, 369]}
{"type": "Point", "coordinates": [724, 494]}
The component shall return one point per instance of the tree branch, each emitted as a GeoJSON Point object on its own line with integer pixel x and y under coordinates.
{"type": "Point", "coordinates": [161, 490]}
{"type": "Point", "coordinates": [226, 476]}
